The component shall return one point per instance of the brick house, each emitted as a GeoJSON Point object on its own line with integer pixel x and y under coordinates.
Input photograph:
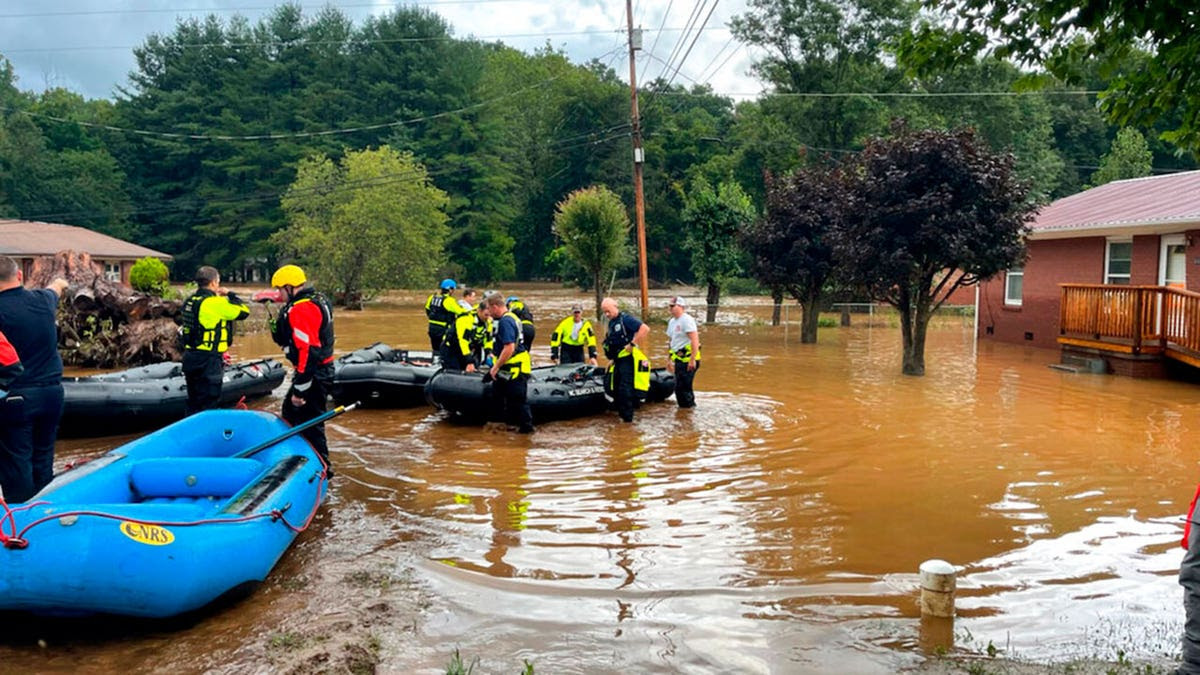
{"type": "Point", "coordinates": [25, 241]}
{"type": "Point", "coordinates": [1110, 269]}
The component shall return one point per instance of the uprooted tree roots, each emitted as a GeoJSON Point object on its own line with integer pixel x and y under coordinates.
{"type": "Point", "coordinates": [103, 324]}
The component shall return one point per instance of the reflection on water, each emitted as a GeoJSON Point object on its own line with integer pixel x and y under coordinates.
{"type": "Point", "coordinates": [778, 527]}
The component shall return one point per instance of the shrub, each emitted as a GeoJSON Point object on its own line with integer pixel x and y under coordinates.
{"type": "Point", "coordinates": [149, 275]}
{"type": "Point", "coordinates": [742, 286]}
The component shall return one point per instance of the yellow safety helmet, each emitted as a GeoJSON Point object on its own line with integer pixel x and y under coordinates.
{"type": "Point", "coordinates": [288, 275]}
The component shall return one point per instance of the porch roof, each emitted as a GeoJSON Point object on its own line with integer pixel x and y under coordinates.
{"type": "Point", "coordinates": [1150, 205]}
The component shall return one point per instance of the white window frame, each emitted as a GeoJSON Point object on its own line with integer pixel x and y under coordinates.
{"type": "Point", "coordinates": [1014, 273]}
{"type": "Point", "coordinates": [112, 271]}
{"type": "Point", "coordinates": [1108, 244]}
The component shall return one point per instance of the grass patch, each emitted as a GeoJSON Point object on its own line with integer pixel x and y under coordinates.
{"type": "Point", "coordinates": [286, 641]}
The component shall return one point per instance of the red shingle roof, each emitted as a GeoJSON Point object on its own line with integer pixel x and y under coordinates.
{"type": "Point", "coordinates": [25, 238]}
{"type": "Point", "coordinates": [1168, 200]}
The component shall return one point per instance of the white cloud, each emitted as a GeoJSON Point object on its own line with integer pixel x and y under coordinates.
{"type": "Point", "coordinates": [49, 50]}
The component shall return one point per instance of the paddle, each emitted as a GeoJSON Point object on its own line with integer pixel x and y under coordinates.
{"type": "Point", "coordinates": [297, 429]}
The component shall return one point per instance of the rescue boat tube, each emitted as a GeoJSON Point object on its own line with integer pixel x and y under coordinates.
{"type": "Point", "coordinates": [554, 392]}
{"type": "Point", "coordinates": [381, 377]}
{"type": "Point", "coordinates": [152, 396]}
{"type": "Point", "coordinates": [662, 386]}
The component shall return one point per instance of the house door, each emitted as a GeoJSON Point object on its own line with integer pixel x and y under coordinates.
{"type": "Point", "coordinates": [1172, 262]}
{"type": "Point", "coordinates": [1172, 272]}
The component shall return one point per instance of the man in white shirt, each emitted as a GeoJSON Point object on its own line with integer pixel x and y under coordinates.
{"type": "Point", "coordinates": [684, 344]}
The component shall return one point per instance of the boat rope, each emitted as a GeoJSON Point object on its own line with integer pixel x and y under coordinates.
{"type": "Point", "coordinates": [13, 540]}
{"type": "Point", "coordinates": [18, 539]}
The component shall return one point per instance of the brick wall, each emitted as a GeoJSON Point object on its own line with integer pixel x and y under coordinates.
{"type": "Point", "coordinates": [1059, 261]}
{"type": "Point", "coordinates": [1052, 262]}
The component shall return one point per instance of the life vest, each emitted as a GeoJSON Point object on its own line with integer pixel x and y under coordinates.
{"type": "Point", "coordinates": [562, 334]}
{"type": "Point", "coordinates": [518, 307]}
{"type": "Point", "coordinates": [641, 369]}
{"type": "Point", "coordinates": [480, 338]}
{"type": "Point", "coordinates": [1187, 524]}
{"type": "Point", "coordinates": [519, 363]}
{"type": "Point", "coordinates": [440, 312]}
{"type": "Point", "coordinates": [465, 339]}
{"type": "Point", "coordinates": [191, 333]}
{"type": "Point", "coordinates": [206, 307]}
{"type": "Point", "coordinates": [616, 339]}
{"type": "Point", "coordinates": [684, 354]}
{"type": "Point", "coordinates": [283, 329]}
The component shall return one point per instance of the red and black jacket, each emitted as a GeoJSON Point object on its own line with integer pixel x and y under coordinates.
{"type": "Point", "coordinates": [10, 363]}
{"type": "Point", "coordinates": [305, 330]}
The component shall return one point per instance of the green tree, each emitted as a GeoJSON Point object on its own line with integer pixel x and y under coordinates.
{"type": "Point", "coordinates": [1066, 36]}
{"type": "Point", "coordinates": [924, 204]}
{"type": "Point", "coordinates": [369, 222]}
{"type": "Point", "coordinates": [594, 229]}
{"type": "Point", "coordinates": [828, 47]}
{"type": "Point", "coordinates": [713, 219]}
{"type": "Point", "coordinates": [791, 247]}
{"type": "Point", "coordinates": [1129, 157]}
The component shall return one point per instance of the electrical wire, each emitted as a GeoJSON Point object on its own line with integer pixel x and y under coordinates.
{"type": "Point", "coordinates": [695, 39]}
{"type": "Point", "coordinates": [691, 21]}
{"type": "Point", "coordinates": [282, 136]}
{"type": "Point", "coordinates": [350, 41]}
{"type": "Point", "coordinates": [259, 8]}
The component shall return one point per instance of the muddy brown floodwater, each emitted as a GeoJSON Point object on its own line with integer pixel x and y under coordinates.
{"type": "Point", "coordinates": [778, 527]}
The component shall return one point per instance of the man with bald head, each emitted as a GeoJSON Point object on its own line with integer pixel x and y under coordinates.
{"type": "Point", "coordinates": [623, 342]}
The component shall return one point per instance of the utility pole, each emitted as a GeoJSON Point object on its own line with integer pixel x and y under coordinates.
{"type": "Point", "coordinates": [639, 204]}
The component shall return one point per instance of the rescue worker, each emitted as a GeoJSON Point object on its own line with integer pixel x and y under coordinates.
{"type": "Point", "coordinates": [29, 415]}
{"type": "Point", "coordinates": [528, 330]}
{"type": "Point", "coordinates": [441, 308]}
{"type": "Point", "coordinates": [570, 337]}
{"type": "Point", "coordinates": [1189, 578]}
{"type": "Point", "coordinates": [481, 342]}
{"type": "Point", "coordinates": [684, 344]}
{"type": "Point", "coordinates": [629, 369]}
{"type": "Point", "coordinates": [510, 372]}
{"type": "Point", "coordinates": [467, 340]}
{"type": "Point", "coordinates": [304, 328]}
{"type": "Point", "coordinates": [205, 336]}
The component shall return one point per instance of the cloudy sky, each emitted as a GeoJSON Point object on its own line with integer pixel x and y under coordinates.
{"type": "Point", "coordinates": [86, 45]}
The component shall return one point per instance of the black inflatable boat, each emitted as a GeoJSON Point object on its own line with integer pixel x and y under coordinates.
{"type": "Point", "coordinates": [151, 396]}
{"type": "Point", "coordinates": [555, 392]}
{"type": "Point", "coordinates": [381, 377]}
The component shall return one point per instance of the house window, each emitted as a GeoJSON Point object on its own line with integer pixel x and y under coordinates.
{"type": "Point", "coordinates": [112, 271]}
{"type": "Point", "coordinates": [1014, 281]}
{"type": "Point", "coordinates": [1118, 263]}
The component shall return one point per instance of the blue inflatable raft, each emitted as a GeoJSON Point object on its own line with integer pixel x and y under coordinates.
{"type": "Point", "coordinates": [165, 524]}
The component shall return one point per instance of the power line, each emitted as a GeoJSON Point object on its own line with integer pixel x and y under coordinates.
{"type": "Point", "coordinates": [893, 94]}
{"type": "Point", "coordinates": [660, 27]}
{"type": "Point", "coordinates": [695, 39]}
{"type": "Point", "coordinates": [714, 59]}
{"type": "Point", "coordinates": [691, 21]}
{"type": "Point", "coordinates": [347, 42]}
{"type": "Point", "coordinates": [280, 136]}
{"type": "Point", "coordinates": [215, 10]}
{"type": "Point", "coordinates": [189, 203]}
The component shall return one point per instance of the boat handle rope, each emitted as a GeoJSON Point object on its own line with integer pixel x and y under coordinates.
{"type": "Point", "coordinates": [17, 540]}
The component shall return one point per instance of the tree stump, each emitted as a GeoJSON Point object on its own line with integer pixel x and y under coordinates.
{"type": "Point", "coordinates": [104, 324]}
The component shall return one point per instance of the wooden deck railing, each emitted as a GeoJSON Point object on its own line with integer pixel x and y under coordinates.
{"type": "Point", "coordinates": [1138, 319]}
